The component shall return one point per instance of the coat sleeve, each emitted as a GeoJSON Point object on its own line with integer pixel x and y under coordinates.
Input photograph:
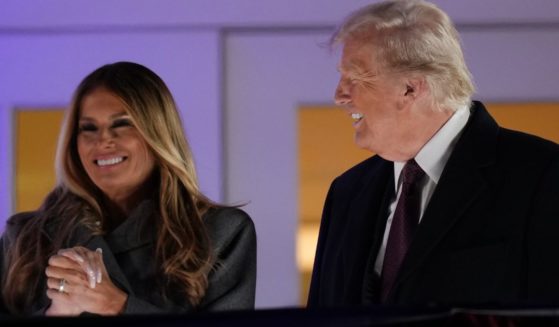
{"type": "Point", "coordinates": [314, 299]}
{"type": "Point", "coordinates": [543, 241]}
{"type": "Point", "coordinates": [11, 232]}
{"type": "Point", "coordinates": [4, 244]}
{"type": "Point", "coordinates": [232, 282]}
{"type": "Point", "coordinates": [136, 306]}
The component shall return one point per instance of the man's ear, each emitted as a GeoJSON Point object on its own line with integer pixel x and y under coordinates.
{"type": "Point", "coordinates": [409, 90]}
{"type": "Point", "coordinates": [415, 88]}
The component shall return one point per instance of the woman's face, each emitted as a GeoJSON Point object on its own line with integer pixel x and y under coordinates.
{"type": "Point", "coordinates": [112, 151]}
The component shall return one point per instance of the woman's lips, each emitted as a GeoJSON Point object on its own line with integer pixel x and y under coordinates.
{"type": "Point", "coordinates": [109, 161]}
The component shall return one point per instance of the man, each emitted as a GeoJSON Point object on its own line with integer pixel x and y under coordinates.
{"type": "Point", "coordinates": [453, 209]}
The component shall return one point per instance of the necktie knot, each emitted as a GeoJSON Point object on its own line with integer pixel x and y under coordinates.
{"type": "Point", "coordinates": [412, 173]}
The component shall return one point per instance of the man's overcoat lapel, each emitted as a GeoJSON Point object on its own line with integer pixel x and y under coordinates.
{"type": "Point", "coordinates": [364, 228]}
{"type": "Point", "coordinates": [460, 186]}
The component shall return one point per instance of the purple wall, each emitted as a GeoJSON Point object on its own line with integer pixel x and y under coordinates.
{"type": "Point", "coordinates": [239, 69]}
{"type": "Point", "coordinates": [42, 69]}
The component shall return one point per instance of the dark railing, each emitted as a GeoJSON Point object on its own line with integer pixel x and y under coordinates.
{"type": "Point", "coordinates": [298, 317]}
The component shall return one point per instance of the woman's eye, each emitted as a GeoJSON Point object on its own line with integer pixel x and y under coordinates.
{"type": "Point", "coordinates": [121, 123]}
{"type": "Point", "coordinates": [87, 128]}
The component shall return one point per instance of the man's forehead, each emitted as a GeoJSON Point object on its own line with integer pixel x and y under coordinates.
{"type": "Point", "coordinates": [356, 57]}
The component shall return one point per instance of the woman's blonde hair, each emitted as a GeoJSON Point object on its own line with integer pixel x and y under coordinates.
{"type": "Point", "coordinates": [414, 36]}
{"type": "Point", "coordinates": [183, 248]}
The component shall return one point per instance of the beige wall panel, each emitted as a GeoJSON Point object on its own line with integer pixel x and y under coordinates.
{"type": "Point", "coordinates": [35, 146]}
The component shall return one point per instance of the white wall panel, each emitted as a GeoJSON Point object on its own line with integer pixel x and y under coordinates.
{"type": "Point", "coordinates": [267, 77]}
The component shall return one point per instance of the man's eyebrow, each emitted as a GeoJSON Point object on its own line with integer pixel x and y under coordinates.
{"type": "Point", "coordinates": [357, 66]}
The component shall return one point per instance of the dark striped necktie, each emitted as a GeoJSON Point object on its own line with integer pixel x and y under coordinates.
{"type": "Point", "coordinates": [404, 223]}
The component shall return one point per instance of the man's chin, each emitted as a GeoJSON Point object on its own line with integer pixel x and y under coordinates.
{"type": "Point", "coordinates": [362, 144]}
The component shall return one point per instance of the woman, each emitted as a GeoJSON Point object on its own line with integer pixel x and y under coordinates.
{"type": "Point", "coordinates": [126, 230]}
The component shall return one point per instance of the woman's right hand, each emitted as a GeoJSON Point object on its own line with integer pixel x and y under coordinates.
{"type": "Point", "coordinates": [78, 281]}
{"type": "Point", "coordinates": [60, 265]}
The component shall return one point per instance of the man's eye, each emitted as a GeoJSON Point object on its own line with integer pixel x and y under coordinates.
{"type": "Point", "coordinates": [353, 78]}
{"type": "Point", "coordinates": [87, 128]}
{"type": "Point", "coordinates": [121, 123]}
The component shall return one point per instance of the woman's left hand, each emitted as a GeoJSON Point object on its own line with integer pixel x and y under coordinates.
{"type": "Point", "coordinates": [86, 287]}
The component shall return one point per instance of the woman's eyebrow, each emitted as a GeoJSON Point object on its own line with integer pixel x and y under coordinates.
{"type": "Point", "coordinates": [113, 116]}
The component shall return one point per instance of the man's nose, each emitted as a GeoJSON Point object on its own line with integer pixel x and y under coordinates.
{"type": "Point", "coordinates": [342, 96]}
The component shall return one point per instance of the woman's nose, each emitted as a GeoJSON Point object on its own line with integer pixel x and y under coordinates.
{"type": "Point", "coordinates": [107, 136]}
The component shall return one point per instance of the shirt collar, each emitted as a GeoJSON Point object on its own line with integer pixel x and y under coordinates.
{"type": "Point", "coordinates": [435, 153]}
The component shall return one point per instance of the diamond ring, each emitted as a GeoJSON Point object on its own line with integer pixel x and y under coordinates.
{"type": "Point", "coordinates": [61, 286]}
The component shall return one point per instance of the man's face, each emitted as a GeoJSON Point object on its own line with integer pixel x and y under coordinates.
{"type": "Point", "coordinates": [374, 98]}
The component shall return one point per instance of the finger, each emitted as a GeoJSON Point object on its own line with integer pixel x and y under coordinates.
{"type": "Point", "coordinates": [74, 276]}
{"type": "Point", "coordinates": [55, 295]}
{"type": "Point", "coordinates": [52, 283]}
{"type": "Point", "coordinates": [87, 264]}
{"type": "Point", "coordinates": [62, 297]}
{"type": "Point", "coordinates": [67, 273]}
{"type": "Point", "coordinates": [62, 286]}
{"type": "Point", "coordinates": [100, 264]}
{"type": "Point", "coordinates": [72, 254]}
{"type": "Point", "coordinates": [68, 286]}
{"type": "Point", "coordinates": [78, 255]}
{"type": "Point", "coordinates": [63, 262]}
{"type": "Point", "coordinates": [92, 272]}
{"type": "Point", "coordinates": [55, 285]}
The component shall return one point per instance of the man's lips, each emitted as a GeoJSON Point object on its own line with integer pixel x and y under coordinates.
{"type": "Point", "coordinates": [356, 117]}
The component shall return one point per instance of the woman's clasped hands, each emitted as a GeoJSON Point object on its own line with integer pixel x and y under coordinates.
{"type": "Point", "coordinates": [77, 282]}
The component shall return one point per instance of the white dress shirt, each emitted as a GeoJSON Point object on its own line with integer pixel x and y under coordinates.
{"type": "Point", "coordinates": [432, 159]}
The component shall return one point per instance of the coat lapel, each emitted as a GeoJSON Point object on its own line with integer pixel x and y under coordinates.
{"type": "Point", "coordinates": [460, 185]}
{"type": "Point", "coordinates": [135, 232]}
{"type": "Point", "coordinates": [362, 227]}
{"type": "Point", "coordinates": [371, 281]}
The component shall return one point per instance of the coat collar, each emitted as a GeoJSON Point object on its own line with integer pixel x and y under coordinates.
{"type": "Point", "coordinates": [136, 231]}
